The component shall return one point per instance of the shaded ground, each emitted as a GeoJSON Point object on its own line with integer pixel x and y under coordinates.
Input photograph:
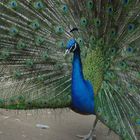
{"type": "Point", "coordinates": [63, 125]}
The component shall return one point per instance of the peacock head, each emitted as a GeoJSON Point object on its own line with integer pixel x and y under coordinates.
{"type": "Point", "coordinates": [72, 46]}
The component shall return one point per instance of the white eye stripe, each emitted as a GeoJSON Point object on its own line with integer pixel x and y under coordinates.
{"type": "Point", "coordinates": [70, 49]}
{"type": "Point", "coordinates": [67, 51]}
{"type": "Point", "coordinates": [74, 47]}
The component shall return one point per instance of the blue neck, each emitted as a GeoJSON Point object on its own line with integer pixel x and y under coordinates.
{"type": "Point", "coordinates": [77, 71]}
{"type": "Point", "coordinates": [82, 90]}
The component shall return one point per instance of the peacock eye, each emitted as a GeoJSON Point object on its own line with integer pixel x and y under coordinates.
{"type": "Point", "coordinates": [107, 64]}
{"type": "Point", "coordinates": [97, 22]}
{"type": "Point", "coordinates": [90, 4]}
{"type": "Point", "coordinates": [113, 32]}
{"type": "Point", "coordinates": [29, 63]}
{"type": "Point", "coordinates": [132, 88]}
{"type": "Point", "coordinates": [119, 89]}
{"type": "Point", "coordinates": [61, 44]}
{"type": "Point", "coordinates": [13, 31]}
{"type": "Point", "coordinates": [118, 130]}
{"type": "Point", "coordinates": [5, 54]}
{"type": "Point", "coordinates": [17, 74]}
{"type": "Point", "coordinates": [12, 100]}
{"type": "Point", "coordinates": [80, 41]}
{"type": "Point", "coordinates": [101, 41]}
{"type": "Point", "coordinates": [13, 4]}
{"type": "Point", "coordinates": [59, 29]}
{"type": "Point", "coordinates": [124, 132]}
{"type": "Point", "coordinates": [39, 40]}
{"type": "Point", "coordinates": [113, 50]}
{"type": "Point", "coordinates": [92, 40]}
{"type": "Point", "coordinates": [131, 115]}
{"type": "Point", "coordinates": [99, 111]}
{"type": "Point", "coordinates": [64, 8]}
{"type": "Point", "coordinates": [29, 103]}
{"type": "Point", "coordinates": [21, 45]}
{"type": "Point", "coordinates": [129, 49]}
{"type": "Point", "coordinates": [83, 22]}
{"type": "Point", "coordinates": [21, 97]}
{"type": "Point", "coordinates": [131, 27]}
{"type": "Point", "coordinates": [45, 103]}
{"type": "Point", "coordinates": [110, 10]}
{"type": "Point", "coordinates": [123, 65]}
{"type": "Point", "coordinates": [138, 121]}
{"type": "Point", "coordinates": [125, 2]}
{"type": "Point", "coordinates": [45, 56]}
{"type": "Point", "coordinates": [110, 75]}
{"type": "Point", "coordinates": [38, 5]}
{"type": "Point", "coordinates": [35, 25]}
{"type": "Point", "coordinates": [106, 120]}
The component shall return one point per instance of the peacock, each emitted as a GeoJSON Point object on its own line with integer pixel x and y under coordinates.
{"type": "Point", "coordinates": [77, 54]}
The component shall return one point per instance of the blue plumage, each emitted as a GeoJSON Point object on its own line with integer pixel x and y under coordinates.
{"type": "Point", "coordinates": [70, 43]}
{"type": "Point", "coordinates": [82, 90]}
